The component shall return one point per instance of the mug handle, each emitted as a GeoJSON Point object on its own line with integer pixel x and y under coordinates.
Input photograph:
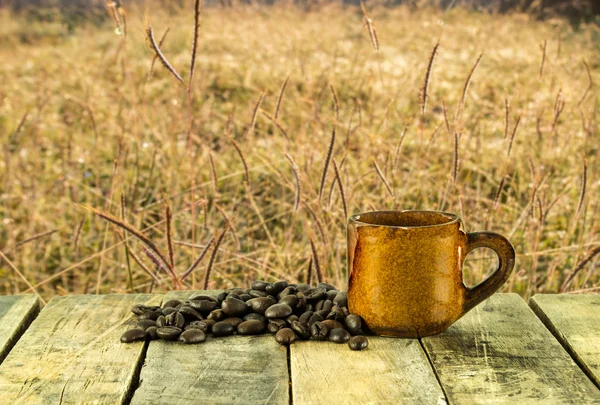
{"type": "Point", "coordinates": [506, 262]}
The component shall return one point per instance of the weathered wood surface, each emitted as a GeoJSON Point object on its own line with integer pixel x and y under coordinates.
{"type": "Point", "coordinates": [500, 352]}
{"type": "Point", "coordinates": [230, 370]}
{"type": "Point", "coordinates": [575, 321]}
{"type": "Point", "coordinates": [389, 371]}
{"type": "Point", "coordinates": [16, 313]}
{"type": "Point", "coordinates": [71, 353]}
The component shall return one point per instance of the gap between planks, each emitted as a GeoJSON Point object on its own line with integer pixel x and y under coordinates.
{"type": "Point", "coordinates": [230, 370]}
{"type": "Point", "coordinates": [71, 353]}
{"type": "Point", "coordinates": [501, 352]}
{"type": "Point", "coordinates": [16, 314]}
{"type": "Point", "coordinates": [574, 320]}
{"type": "Point", "coordinates": [437, 377]}
{"type": "Point", "coordinates": [389, 371]}
{"type": "Point", "coordinates": [288, 355]}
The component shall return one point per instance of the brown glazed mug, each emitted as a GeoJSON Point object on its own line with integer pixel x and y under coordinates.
{"type": "Point", "coordinates": [405, 270]}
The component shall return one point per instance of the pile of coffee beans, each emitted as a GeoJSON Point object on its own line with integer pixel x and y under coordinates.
{"type": "Point", "coordinates": [289, 311]}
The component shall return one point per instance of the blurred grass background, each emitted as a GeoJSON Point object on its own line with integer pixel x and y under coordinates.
{"type": "Point", "coordinates": [83, 121]}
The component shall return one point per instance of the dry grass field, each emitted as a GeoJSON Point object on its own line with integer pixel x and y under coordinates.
{"type": "Point", "coordinates": [84, 121]}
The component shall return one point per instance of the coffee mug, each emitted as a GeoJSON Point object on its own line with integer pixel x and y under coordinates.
{"type": "Point", "coordinates": [405, 270]}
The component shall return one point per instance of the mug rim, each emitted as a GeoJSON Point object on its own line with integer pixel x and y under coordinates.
{"type": "Point", "coordinates": [354, 218]}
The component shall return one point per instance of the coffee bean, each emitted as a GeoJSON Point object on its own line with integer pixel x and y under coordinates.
{"type": "Point", "coordinates": [305, 317]}
{"type": "Point", "coordinates": [140, 309]}
{"type": "Point", "coordinates": [309, 307]}
{"type": "Point", "coordinates": [202, 306]}
{"type": "Point", "coordinates": [233, 320]}
{"type": "Point", "coordinates": [216, 315]}
{"type": "Point", "coordinates": [190, 314]}
{"type": "Point", "coordinates": [221, 297]}
{"type": "Point", "coordinates": [203, 297]}
{"type": "Point", "coordinates": [315, 294]}
{"type": "Point", "coordinates": [260, 305]}
{"type": "Point", "coordinates": [339, 335]}
{"type": "Point", "coordinates": [161, 321]}
{"type": "Point", "coordinates": [301, 305]}
{"type": "Point", "coordinates": [251, 327]}
{"type": "Point", "coordinates": [291, 319]}
{"type": "Point", "coordinates": [289, 290]}
{"type": "Point", "coordinates": [331, 294]}
{"type": "Point", "coordinates": [168, 332]}
{"type": "Point", "coordinates": [328, 287]}
{"type": "Point", "coordinates": [179, 319]}
{"type": "Point", "coordinates": [150, 315]}
{"type": "Point", "coordinates": [145, 324]}
{"type": "Point", "coordinates": [133, 335]}
{"type": "Point", "coordinates": [275, 325]}
{"type": "Point", "coordinates": [278, 311]}
{"type": "Point", "coordinates": [341, 299]}
{"type": "Point", "coordinates": [358, 342]}
{"type": "Point", "coordinates": [257, 293]}
{"type": "Point", "coordinates": [302, 287]}
{"type": "Point", "coordinates": [171, 304]}
{"type": "Point", "coordinates": [168, 311]}
{"type": "Point", "coordinates": [327, 305]}
{"type": "Point", "coordinates": [318, 331]}
{"type": "Point", "coordinates": [202, 325]}
{"type": "Point", "coordinates": [257, 317]}
{"type": "Point", "coordinates": [323, 313]}
{"type": "Point", "coordinates": [290, 300]}
{"type": "Point", "coordinates": [345, 311]}
{"type": "Point", "coordinates": [337, 316]}
{"type": "Point", "coordinates": [285, 336]}
{"type": "Point", "coordinates": [151, 333]}
{"type": "Point", "coordinates": [175, 319]}
{"type": "Point", "coordinates": [210, 323]}
{"type": "Point", "coordinates": [301, 331]}
{"type": "Point", "coordinates": [332, 324]}
{"type": "Point", "coordinates": [276, 287]}
{"type": "Point", "coordinates": [259, 285]}
{"type": "Point", "coordinates": [234, 296]}
{"type": "Point", "coordinates": [236, 290]}
{"type": "Point", "coordinates": [192, 336]}
{"type": "Point", "coordinates": [233, 307]}
{"type": "Point", "coordinates": [315, 317]}
{"type": "Point", "coordinates": [222, 329]}
{"type": "Point", "coordinates": [245, 297]}
{"type": "Point", "coordinates": [319, 305]}
{"type": "Point", "coordinates": [354, 324]}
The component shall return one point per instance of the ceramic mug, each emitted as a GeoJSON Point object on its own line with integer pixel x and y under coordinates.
{"type": "Point", "coordinates": [405, 270]}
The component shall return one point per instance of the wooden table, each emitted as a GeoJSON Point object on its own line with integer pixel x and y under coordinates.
{"type": "Point", "coordinates": [503, 351]}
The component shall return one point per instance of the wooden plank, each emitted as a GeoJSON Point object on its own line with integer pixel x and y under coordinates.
{"type": "Point", "coordinates": [72, 354]}
{"type": "Point", "coordinates": [389, 371]}
{"type": "Point", "coordinates": [501, 353]}
{"type": "Point", "coordinates": [231, 370]}
{"type": "Point", "coordinates": [16, 313]}
{"type": "Point", "coordinates": [575, 321]}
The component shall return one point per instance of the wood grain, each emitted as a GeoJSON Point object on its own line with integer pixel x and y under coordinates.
{"type": "Point", "coordinates": [16, 313]}
{"type": "Point", "coordinates": [501, 353]}
{"type": "Point", "coordinates": [389, 371]}
{"type": "Point", "coordinates": [71, 353]}
{"type": "Point", "coordinates": [575, 321]}
{"type": "Point", "coordinates": [230, 370]}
